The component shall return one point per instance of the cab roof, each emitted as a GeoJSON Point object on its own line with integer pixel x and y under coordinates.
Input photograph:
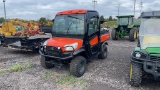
{"type": "Point", "coordinates": [125, 16]}
{"type": "Point", "coordinates": [150, 14]}
{"type": "Point", "coordinates": [75, 11]}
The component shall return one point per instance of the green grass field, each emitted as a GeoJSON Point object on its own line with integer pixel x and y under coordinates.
{"type": "Point", "coordinates": [109, 23]}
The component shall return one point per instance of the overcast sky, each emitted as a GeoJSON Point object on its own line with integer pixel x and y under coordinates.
{"type": "Point", "coordinates": [34, 9]}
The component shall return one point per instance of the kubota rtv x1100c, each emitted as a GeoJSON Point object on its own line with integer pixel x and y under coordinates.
{"type": "Point", "coordinates": [76, 39]}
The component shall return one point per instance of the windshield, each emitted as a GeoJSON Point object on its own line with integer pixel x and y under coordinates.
{"type": "Point", "coordinates": [123, 21]}
{"type": "Point", "coordinates": [69, 24]}
{"type": "Point", "coordinates": [149, 33]}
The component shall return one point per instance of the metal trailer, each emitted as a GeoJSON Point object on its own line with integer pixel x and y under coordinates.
{"type": "Point", "coordinates": [30, 43]}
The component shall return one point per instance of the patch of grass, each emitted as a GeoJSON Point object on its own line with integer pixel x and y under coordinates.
{"type": "Point", "coordinates": [54, 74]}
{"type": "Point", "coordinates": [27, 65]}
{"type": "Point", "coordinates": [68, 79]}
{"type": "Point", "coordinates": [2, 71]}
{"type": "Point", "coordinates": [46, 75]}
{"type": "Point", "coordinates": [109, 23]}
{"type": "Point", "coordinates": [17, 67]}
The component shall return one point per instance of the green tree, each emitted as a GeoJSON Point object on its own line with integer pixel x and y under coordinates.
{"type": "Point", "coordinates": [2, 20]}
{"type": "Point", "coordinates": [114, 19]}
{"type": "Point", "coordinates": [102, 18]}
{"type": "Point", "coordinates": [110, 18]}
{"type": "Point", "coordinates": [43, 21]}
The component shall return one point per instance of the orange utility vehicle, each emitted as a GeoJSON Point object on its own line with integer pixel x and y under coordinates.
{"type": "Point", "coordinates": [76, 39]}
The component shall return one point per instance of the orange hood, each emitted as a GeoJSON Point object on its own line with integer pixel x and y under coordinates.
{"type": "Point", "coordinates": [61, 42]}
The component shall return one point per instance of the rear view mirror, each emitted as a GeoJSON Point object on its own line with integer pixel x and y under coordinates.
{"type": "Point", "coordinates": [52, 20]}
{"type": "Point", "coordinates": [102, 21]}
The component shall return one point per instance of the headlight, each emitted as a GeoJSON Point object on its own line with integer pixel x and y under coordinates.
{"type": "Point", "coordinates": [138, 55]}
{"type": "Point", "coordinates": [71, 47]}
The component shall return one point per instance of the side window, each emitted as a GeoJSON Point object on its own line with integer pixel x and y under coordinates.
{"type": "Point", "coordinates": [93, 25]}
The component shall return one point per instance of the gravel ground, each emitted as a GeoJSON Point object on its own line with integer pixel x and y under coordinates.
{"type": "Point", "coordinates": [109, 74]}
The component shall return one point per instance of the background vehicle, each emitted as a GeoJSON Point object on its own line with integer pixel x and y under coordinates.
{"type": "Point", "coordinates": [105, 29]}
{"type": "Point", "coordinates": [77, 38]}
{"type": "Point", "coordinates": [23, 35]}
{"type": "Point", "coordinates": [145, 59]}
{"type": "Point", "coordinates": [125, 27]}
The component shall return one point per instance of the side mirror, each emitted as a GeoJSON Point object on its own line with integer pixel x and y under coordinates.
{"type": "Point", "coordinates": [52, 20]}
{"type": "Point", "coordinates": [102, 21]}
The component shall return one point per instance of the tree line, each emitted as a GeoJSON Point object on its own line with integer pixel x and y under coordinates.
{"type": "Point", "coordinates": [42, 20]}
{"type": "Point", "coordinates": [110, 18]}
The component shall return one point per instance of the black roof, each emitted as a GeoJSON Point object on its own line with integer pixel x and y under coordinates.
{"type": "Point", "coordinates": [150, 14]}
{"type": "Point", "coordinates": [121, 16]}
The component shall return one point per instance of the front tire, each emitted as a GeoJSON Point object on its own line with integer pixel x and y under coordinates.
{"type": "Point", "coordinates": [137, 33]}
{"type": "Point", "coordinates": [114, 34]}
{"type": "Point", "coordinates": [135, 74]}
{"type": "Point", "coordinates": [104, 52]}
{"type": "Point", "coordinates": [133, 34]}
{"type": "Point", "coordinates": [46, 63]}
{"type": "Point", "coordinates": [78, 66]}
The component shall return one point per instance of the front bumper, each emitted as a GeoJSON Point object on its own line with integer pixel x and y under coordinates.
{"type": "Point", "coordinates": [58, 56]}
{"type": "Point", "coordinates": [151, 64]}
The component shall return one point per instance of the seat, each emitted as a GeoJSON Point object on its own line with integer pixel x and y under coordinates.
{"type": "Point", "coordinates": [151, 39]}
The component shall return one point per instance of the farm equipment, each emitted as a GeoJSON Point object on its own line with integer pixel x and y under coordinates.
{"type": "Point", "coordinates": [145, 59]}
{"type": "Point", "coordinates": [8, 29]}
{"type": "Point", "coordinates": [77, 38]}
{"type": "Point", "coordinates": [23, 35]}
{"type": "Point", "coordinates": [125, 27]}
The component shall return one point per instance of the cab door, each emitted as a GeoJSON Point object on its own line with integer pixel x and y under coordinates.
{"type": "Point", "coordinates": [93, 34]}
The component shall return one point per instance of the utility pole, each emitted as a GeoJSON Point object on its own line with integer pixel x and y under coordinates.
{"type": "Point", "coordinates": [94, 3]}
{"type": "Point", "coordinates": [134, 7]}
{"type": "Point", "coordinates": [4, 9]}
{"type": "Point", "coordinates": [141, 5]}
{"type": "Point", "coordinates": [118, 8]}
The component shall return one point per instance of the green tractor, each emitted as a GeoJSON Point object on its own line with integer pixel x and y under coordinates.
{"type": "Point", "coordinates": [145, 59]}
{"type": "Point", "coordinates": [126, 26]}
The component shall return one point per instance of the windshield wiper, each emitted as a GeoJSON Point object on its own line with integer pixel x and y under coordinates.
{"type": "Point", "coordinates": [74, 17]}
{"type": "Point", "coordinates": [69, 27]}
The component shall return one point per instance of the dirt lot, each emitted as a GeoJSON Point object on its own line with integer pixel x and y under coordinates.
{"type": "Point", "coordinates": [20, 70]}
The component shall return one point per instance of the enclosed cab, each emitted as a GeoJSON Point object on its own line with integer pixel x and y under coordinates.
{"type": "Point", "coordinates": [145, 59]}
{"type": "Point", "coordinates": [76, 39]}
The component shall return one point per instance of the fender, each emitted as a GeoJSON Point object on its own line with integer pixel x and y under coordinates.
{"type": "Point", "coordinates": [104, 43]}
{"type": "Point", "coordinates": [80, 51]}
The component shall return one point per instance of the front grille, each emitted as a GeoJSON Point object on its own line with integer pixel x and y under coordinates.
{"type": "Point", "coordinates": [154, 57]}
{"type": "Point", "coordinates": [53, 51]}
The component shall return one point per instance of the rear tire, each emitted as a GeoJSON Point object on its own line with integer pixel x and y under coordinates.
{"type": "Point", "coordinates": [104, 52]}
{"type": "Point", "coordinates": [135, 74]}
{"type": "Point", "coordinates": [114, 34]}
{"type": "Point", "coordinates": [78, 66]}
{"type": "Point", "coordinates": [133, 34]}
{"type": "Point", "coordinates": [46, 63]}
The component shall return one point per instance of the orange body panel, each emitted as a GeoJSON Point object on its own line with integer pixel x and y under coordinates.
{"type": "Point", "coordinates": [78, 11]}
{"type": "Point", "coordinates": [104, 37]}
{"type": "Point", "coordinates": [94, 41]}
{"type": "Point", "coordinates": [61, 42]}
